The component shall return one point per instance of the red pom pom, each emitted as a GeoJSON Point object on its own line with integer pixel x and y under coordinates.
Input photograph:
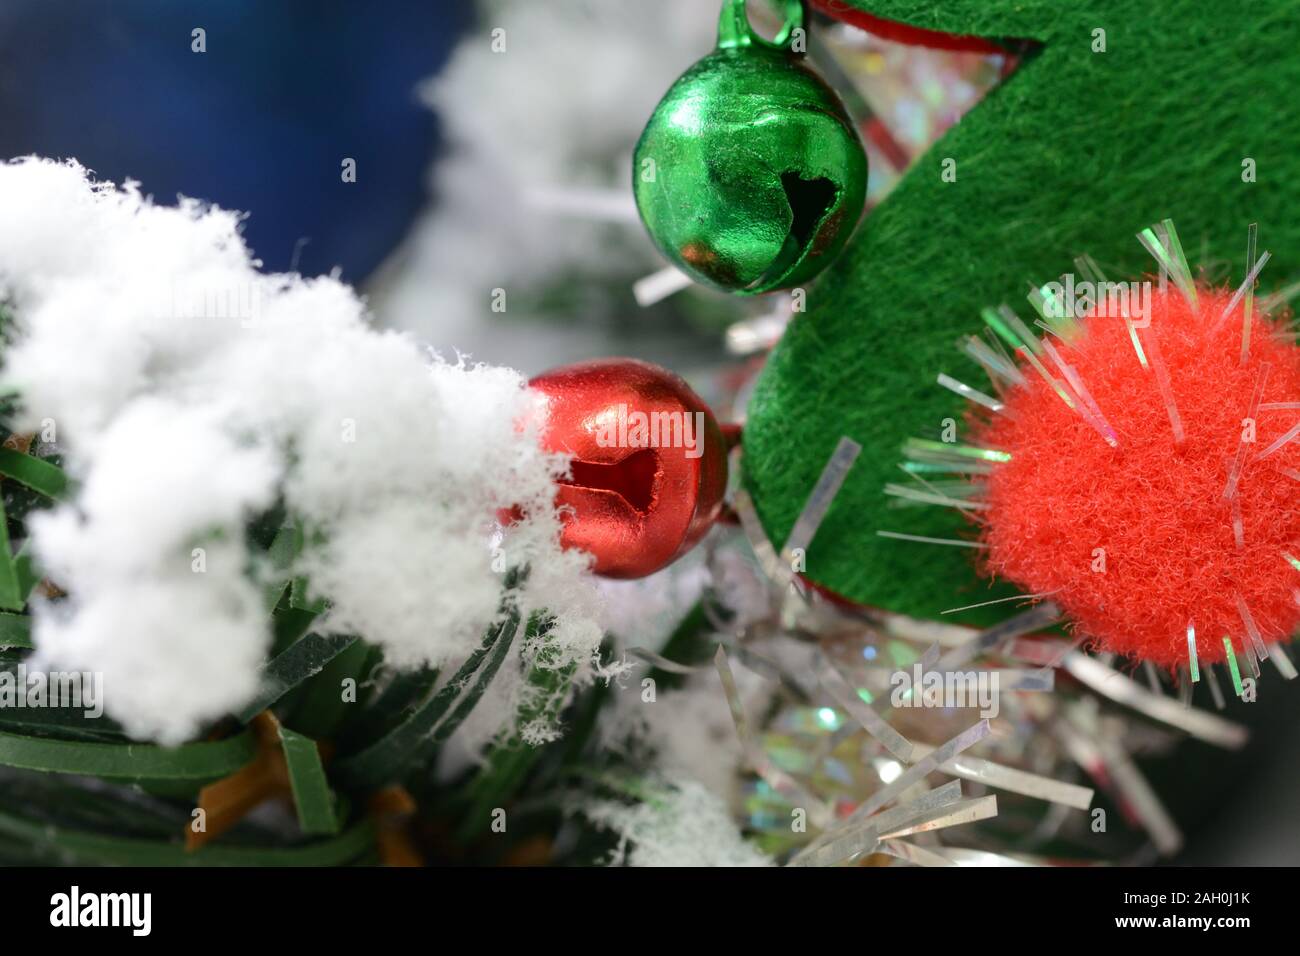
{"type": "Point", "coordinates": [1136, 541]}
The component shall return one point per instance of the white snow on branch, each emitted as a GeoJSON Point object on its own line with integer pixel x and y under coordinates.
{"type": "Point", "coordinates": [677, 824]}
{"type": "Point", "coordinates": [191, 392]}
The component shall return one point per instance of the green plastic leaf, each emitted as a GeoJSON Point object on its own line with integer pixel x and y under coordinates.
{"type": "Point", "coordinates": [288, 625]}
{"type": "Point", "coordinates": [387, 759]}
{"type": "Point", "coordinates": [83, 803]}
{"type": "Point", "coordinates": [311, 790]}
{"type": "Point", "coordinates": [467, 701]}
{"type": "Point", "coordinates": [12, 597]}
{"type": "Point", "coordinates": [324, 702]}
{"type": "Point", "coordinates": [301, 660]}
{"type": "Point", "coordinates": [206, 760]}
{"type": "Point", "coordinates": [15, 630]}
{"type": "Point", "coordinates": [398, 700]}
{"type": "Point", "coordinates": [300, 597]}
{"type": "Point", "coordinates": [37, 474]}
{"type": "Point", "coordinates": [511, 762]}
{"type": "Point", "coordinates": [284, 548]}
{"type": "Point", "coordinates": [61, 723]}
{"type": "Point", "coordinates": [93, 848]}
{"type": "Point", "coordinates": [66, 722]}
{"type": "Point", "coordinates": [27, 573]}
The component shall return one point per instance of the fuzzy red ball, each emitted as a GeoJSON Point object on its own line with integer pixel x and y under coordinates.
{"type": "Point", "coordinates": [1136, 541]}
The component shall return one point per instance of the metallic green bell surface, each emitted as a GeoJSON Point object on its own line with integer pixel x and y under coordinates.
{"type": "Point", "coordinates": [750, 176]}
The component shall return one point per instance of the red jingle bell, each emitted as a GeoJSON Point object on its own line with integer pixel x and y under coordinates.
{"type": "Point", "coordinates": [649, 465]}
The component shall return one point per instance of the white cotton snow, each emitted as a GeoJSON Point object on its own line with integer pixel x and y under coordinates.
{"type": "Point", "coordinates": [557, 121]}
{"type": "Point", "coordinates": [678, 824]}
{"type": "Point", "coordinates": [190, 392]}
{"type": "Point", "coordinates": [160, 603]}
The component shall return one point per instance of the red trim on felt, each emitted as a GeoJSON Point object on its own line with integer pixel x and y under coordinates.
{"type": "Point", "coordinates": [902, 32]}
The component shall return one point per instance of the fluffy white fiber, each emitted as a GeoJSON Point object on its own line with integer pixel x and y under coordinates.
{"type": "Point", "coordinates": [190, 392]}
{"type": "Point", "coordinates": [557, 120]}
{"type": "Point", "coordinates": [678, 824]}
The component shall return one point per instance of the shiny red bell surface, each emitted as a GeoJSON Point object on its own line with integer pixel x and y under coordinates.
{"type": "Point", "coordinates": [649, 462]}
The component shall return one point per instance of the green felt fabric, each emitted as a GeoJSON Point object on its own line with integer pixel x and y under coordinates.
{"type": "Point", "coordinates": [1076, 152]}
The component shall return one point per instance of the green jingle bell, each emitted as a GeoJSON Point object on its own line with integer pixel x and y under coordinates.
{"type": "Point", "coordinates": [750, 176]}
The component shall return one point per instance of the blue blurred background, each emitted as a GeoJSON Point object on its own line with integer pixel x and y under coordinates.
{"type": "Point", "coordinates": [261, 121]}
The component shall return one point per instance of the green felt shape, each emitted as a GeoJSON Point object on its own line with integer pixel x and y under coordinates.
{"type": "Point", "coordinates": [1074, 153]}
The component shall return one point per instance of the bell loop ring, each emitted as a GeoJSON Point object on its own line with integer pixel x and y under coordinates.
{"type": "Point", "coordinates": [735, 30]}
